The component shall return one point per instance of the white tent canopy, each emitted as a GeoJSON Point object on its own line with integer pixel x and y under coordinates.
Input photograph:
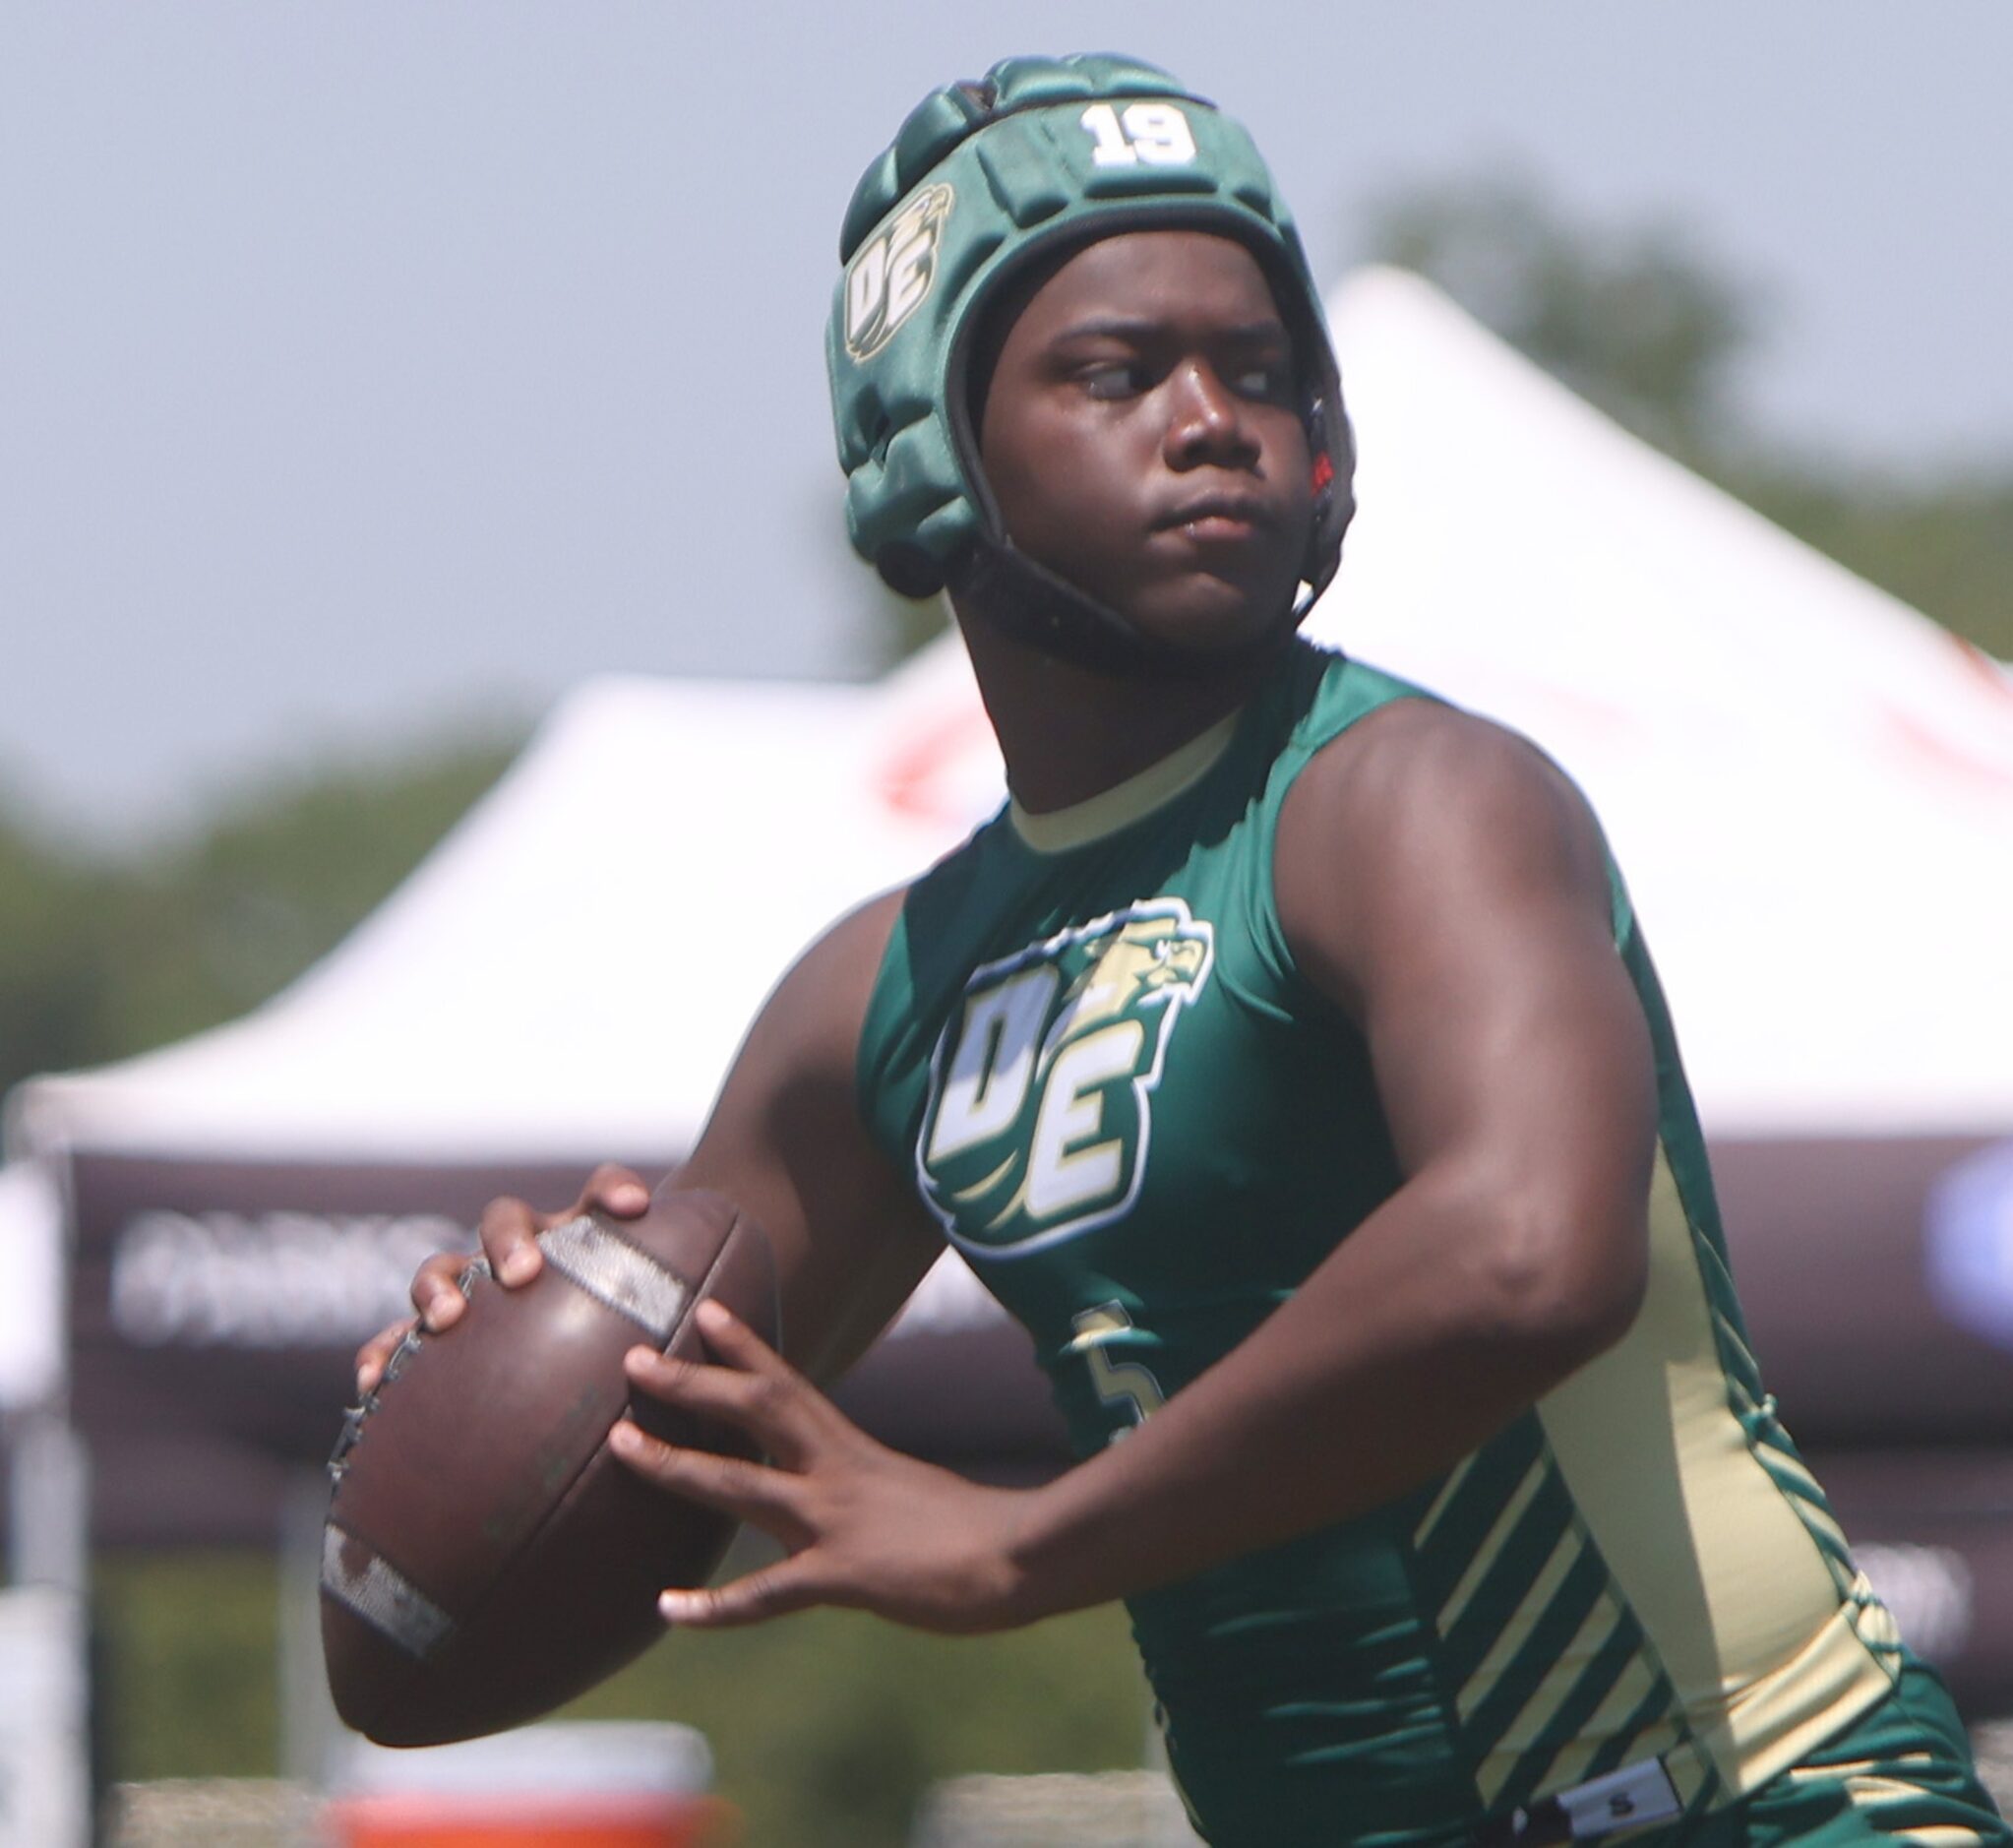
{"type": "Point", "coordinates": [1810, 786]}
{"type": "Point", "coordinates": [571, 971]}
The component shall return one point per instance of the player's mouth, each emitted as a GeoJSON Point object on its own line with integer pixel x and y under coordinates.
{"type": "Point", "coordinates": [1218, 519]}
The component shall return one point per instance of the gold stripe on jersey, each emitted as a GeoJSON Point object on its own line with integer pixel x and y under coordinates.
{"type": "Point", "coordinates": [1742, 1367]}
{"type": "Point", "coordinates": [1487, 1555]}
{"type": "Point", "coordinates": [1869, 1790]}
{"type": "Point", "coordinates": [1875, 1623]}
{"type": "Point", "coordinates": [1536, 1647]}
{"type": "Point", "coordinates": [1574, 1762]}
{"type": "Point", "coordinates": [1856, 1767]}
{"type": "Point", "coordinates": [1786, 1466]}
{"type": "Point", "coordinates": [1469, 1503]}
{"type": "Point", "coordinates": [1875, 1789]}
{"type": "Point", "coordinates": [1791, 1472]}
{"type": "Point", "coordinates": [980, 1189]}
{"type": "Point", "coordinates": [1443, 1499]}
{"type": "Point", "coordinates": [1531, 1726]}
{"type": "Point", "coordinates": [1715, 1538]}
{"type": "Point", "coordinates": [1060, 830]}
{"type": "Point", "coordinates": [1599, 1691]}
{"type": "Point", "coordinates": [1490, 1674]}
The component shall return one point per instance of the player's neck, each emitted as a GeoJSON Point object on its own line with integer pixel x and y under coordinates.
{"type": "Point", "coordinates": [1068, 734]}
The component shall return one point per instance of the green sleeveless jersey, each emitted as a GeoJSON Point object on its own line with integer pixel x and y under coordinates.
{"type": "Point", "coordinates": [1090, 1046]}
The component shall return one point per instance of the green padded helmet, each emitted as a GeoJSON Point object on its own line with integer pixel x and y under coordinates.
{"type": "Point", "coordinates": [983, 180]}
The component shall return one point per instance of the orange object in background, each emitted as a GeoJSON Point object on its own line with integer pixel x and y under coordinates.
{"type": "Point", "coordinates": [584, 1784]}
{"type": "Point", "coordinates": [450, 1821]}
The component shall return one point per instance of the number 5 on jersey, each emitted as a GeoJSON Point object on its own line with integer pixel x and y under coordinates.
{"type": "Point", "coordinates": [1119, 1383]}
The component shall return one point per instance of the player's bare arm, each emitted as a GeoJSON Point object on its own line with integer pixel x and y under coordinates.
{"type": "Point", "coordinates": [1514, 1066]}
{"type": "Point", "coordinates": [785, 1143]}
{"type": "Point", "coordinates": [1446, 887]}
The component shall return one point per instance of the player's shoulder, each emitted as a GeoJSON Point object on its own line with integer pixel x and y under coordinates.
{"type": "Point", "coordinates": [842, 963]}
{"type": "Point", "coordinates": [813, 1017]}
{"type": "Point", "coordinates": [1422, 823]}
{"type": "Point", "coordinates": [953, 905]}
{"type": "Point", "coordinates": [1417, 770]}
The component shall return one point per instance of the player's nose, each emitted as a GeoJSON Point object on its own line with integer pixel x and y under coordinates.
{"type": "Point", "coordinates": [1206, 421]}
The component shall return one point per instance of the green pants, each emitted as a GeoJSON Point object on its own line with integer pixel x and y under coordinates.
{"type": "Point", "coordinates": [1901, 1774]}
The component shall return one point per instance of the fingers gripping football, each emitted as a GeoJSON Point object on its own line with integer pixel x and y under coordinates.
{"type": "Point", "coordinates": [863, 1525]}
{"type": "Point", "coordinates": [509, 1231]}
{"type": "Point", "coordinates": [761, 1395]}
{"type": "Point", "coordinates": [510, 1228]}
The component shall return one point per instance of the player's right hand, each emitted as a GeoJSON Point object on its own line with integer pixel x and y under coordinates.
{"type": "Point", "coordinates": [510, 1231]}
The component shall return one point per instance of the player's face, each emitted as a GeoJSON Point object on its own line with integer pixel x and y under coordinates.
{"type": "Point", "coordinates": [1143, 436]}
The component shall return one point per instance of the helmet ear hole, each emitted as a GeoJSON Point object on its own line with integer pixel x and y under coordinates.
{"type": "Point", "coordinates": [908, 569]}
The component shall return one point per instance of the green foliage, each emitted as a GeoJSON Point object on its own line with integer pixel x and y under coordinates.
{"type": "Point", "coordinates": [1645, 323]}
{"type": "Point", "coordinates": [826, 1728]}
{"type": "Point", "coordinates": [102, 959]}
{"type": "Point", "coordinates": [1946, 548]}
{"type": "Point", "coordinates": [278, 882]}
{"type": "Point", "coordinates": [188, 1654]}
{"type": "Point", "coordinates": [52, 958]}
{"type": "Point", "coordinates": [1638, 321]}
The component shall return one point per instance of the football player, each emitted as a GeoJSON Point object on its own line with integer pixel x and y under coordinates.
{"type": "Point", "coordinates": [1287, 1058]}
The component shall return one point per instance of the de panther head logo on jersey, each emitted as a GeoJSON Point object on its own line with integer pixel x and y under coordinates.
{"type": "Point", "coordinates": [1040, 1105]}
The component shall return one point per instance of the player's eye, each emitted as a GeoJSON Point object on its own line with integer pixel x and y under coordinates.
{"type": "Point", "coordinates": [1270, 381]}
{"type": "Point", "coordinates": [1114, 379]}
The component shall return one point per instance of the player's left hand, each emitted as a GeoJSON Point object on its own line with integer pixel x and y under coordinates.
{"type": "Point", "coordinates": [863, 1526]}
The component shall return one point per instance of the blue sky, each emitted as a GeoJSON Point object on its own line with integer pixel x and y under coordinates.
{"type": "Point", "coordinates": [370, 368]}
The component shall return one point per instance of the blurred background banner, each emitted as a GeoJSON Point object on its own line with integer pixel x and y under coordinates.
{"type": "Point", "coordinates": [216, 1308]}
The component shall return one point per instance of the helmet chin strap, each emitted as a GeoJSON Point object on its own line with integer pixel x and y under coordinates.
{"type": "Point", "coordinates": [1030, 604]}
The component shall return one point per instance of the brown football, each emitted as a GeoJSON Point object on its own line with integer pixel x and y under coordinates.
{"type": "Point", "coordinates": [486, 1556]}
